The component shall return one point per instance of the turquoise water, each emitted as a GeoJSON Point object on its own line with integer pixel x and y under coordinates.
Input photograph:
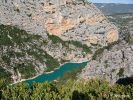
{"type": "Point", "coordinates": [57, 73]}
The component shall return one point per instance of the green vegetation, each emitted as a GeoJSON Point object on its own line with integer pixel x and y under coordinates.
{"type": "Point", "coordinates": [131, 42]}
{"type": "Point", "coordinates": [64, 60]}
{"type": "Point", "coordinates": [80, 45]}
{"type": "Point", "coordinates": [85, 1]}
{"type": "Point", "coordinates": [27, 70]}
{"type": "Point", "coordinates": [70, 90]}
{"type": "Point", "coordinates": [10, 35]}
{"type": "Point", "coordinates": [3, 84]}
{"type": "Point", "coordinates": [98, 53]}
{"type": "Point", "coordinates": [4, 74]}
{"type": "Point", "coordinates": [121, 72]}
{"type": "Point", "coordinates": [106, 64]}
{"type": "Point", "coordinates": [18, 44]}
{"type": "Point", "coordinates": [70, 75]}
{"type": "Point", "coordinates": [51, 62]}
{"type": "Point", "coordinates": [101, 50]}
{"type": "Point", "coordinates": [56, 39]}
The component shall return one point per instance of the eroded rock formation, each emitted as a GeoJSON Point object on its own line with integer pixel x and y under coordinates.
{"type": "Point", "coordinates": [68, 19]}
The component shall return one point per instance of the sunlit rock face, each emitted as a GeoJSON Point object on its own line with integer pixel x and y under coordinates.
{"type": "Point", "coordinates": [69, 19]}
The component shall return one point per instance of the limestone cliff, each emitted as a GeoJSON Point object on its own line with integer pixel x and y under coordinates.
{"type": "Point", "coordinates": [68, 19]}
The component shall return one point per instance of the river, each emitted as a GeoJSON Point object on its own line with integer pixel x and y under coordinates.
{"type": "Point", "coordinates": [57, 73]}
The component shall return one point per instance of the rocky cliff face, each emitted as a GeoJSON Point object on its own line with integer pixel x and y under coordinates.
{"type": "Point", "coordinates": [68, 19]}
{"type": "Point", "coordinates": [114, 61]}
{"type": "Point", "coordinates": [111, 64]}
{"type": "Point", "coordinates": [69, 28]}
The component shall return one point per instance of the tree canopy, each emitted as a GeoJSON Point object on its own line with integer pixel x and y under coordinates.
{"type": "Point", "coordinates": [70, 90]}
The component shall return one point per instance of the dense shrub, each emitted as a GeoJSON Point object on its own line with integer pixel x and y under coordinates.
{"type": "Point", "coordinates": [70, 90]}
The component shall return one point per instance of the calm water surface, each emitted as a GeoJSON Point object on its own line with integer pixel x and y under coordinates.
{"type": "Point", "coordinates": [57, 73]}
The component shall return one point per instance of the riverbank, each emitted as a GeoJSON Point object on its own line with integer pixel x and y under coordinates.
{"type": "Point", "coordinates": [46, 73]}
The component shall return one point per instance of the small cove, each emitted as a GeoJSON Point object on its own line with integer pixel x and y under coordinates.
{"type": "Point", "coordinates": [57, 73]}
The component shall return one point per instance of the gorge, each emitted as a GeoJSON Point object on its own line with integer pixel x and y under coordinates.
{"type": "Point", "coordinates": [43, 34]}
